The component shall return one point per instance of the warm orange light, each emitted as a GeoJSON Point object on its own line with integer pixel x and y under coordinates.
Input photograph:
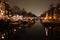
{"type": "Point", "coordinates": [54, 17]}
{"type": "Point", "coordinates": [50, 17]}
{"type": "Point", "coordinates": [1, 16]}
{"type": "Point", "coordinates": [46, 18]}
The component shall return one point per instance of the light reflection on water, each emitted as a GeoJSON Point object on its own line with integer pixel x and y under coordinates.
{"type": "Point", "coordinates": [35, 31]}
{"type": "Point", "coordinates": [37, 28]}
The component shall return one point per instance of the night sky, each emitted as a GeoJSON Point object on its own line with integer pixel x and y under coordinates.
{"type": "Point", "coordinates": [35, 6]}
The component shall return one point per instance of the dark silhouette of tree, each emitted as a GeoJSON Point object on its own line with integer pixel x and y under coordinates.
{"type": "Point", "coordinates": [58, 7]}
{"type": "Point", "coordinates": [6, 5]}
{"type": "Point", "coordinates": [23, 12]}
{"type": "Point", "coordinates": [16, 10]}
{"type": "Point", "coordinates": [31, 14]}
{"type": "Point", "coordinates": [7, 8]}
{"type": "Point", "coordinates": [52, 10]}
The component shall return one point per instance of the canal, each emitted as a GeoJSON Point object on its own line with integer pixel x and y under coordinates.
{"type": "Point", "coordinates": [34, 32]}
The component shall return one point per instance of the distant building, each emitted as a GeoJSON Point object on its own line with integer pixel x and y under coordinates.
{"type": "Point", "coordinates": [53, 14]}
{"type": "Point", "coordinates": [4, 8]}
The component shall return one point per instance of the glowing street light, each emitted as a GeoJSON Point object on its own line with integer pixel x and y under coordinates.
{"type": "Point", "coordinates": [50, 17]}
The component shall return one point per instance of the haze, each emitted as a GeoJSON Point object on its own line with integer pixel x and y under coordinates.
{"type": "Point", "coordinates": [35, 6]}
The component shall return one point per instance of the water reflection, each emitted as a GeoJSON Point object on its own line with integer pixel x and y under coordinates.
{"type": "Point", "coordinates": [26, 31]}
{"type": "Point", "coordinates": [29, 31]}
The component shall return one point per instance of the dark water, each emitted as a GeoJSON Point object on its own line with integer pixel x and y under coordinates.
{"type": "Point", "coordinates": [34, 32]}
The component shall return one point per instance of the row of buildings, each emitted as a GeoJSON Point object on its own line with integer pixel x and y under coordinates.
{"type": "Point", "coordinates": [53, 14]}
{"type": "Point", "coordinates": [4, 9]}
